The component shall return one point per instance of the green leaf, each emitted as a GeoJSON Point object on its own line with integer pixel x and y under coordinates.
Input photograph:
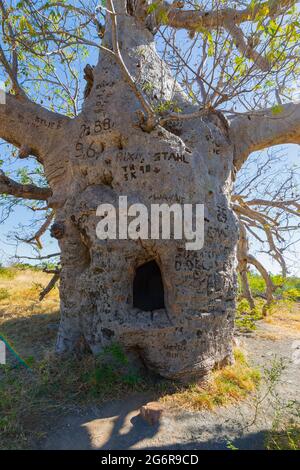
{"type": "Point", "coordinates": [277, 109]}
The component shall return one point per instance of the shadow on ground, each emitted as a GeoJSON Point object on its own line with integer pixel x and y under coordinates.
{"type": "Point", "coordinates": [31, 335]}
{"type": "Point", "coordinates": [118, 426]}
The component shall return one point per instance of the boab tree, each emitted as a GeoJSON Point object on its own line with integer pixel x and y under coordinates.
{"type": "Point", "coordinates": [180, 96]}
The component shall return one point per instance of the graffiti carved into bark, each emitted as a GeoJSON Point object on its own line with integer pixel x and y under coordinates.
{"type": "Point", "coordinates": [172, 307]}
{"type": "Point", "coordinates": [188, 329]}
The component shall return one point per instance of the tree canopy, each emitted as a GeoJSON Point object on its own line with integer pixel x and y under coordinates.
{"type": "Point", "coordinates": [239, 59]}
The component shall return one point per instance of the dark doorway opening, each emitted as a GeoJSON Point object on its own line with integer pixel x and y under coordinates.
{"type": "Point", "coordinates": [148, 289]}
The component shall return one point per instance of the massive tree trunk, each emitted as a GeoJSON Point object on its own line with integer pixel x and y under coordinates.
{"type": "Point", "coordinates": [174, 308]}
{"type": "Point", "coordinates": [107, 153]}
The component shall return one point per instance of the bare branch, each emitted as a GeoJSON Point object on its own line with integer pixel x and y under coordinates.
{"type": "Point", "coordinates": [24, 191]}
{"type": "Point", "coordinates": [270, 288]}
{"type": "Point", "coordinates": [36, 239]}
{"type": "Point", "coordinates": [27, 124]}
{"type": "Point", "coordinates": [38, 258]}
{"type": "Point", "coordinates": [49, 287]}
{"type": "Point", "coordinates": [242, 255]}
{"type": "Point", "coordinates": [256, 131]}
{"type": "Point", "coordinates": [213, 19]}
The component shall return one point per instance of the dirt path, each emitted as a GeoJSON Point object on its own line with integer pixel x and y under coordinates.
{"type": "Point", "coordinates": [117, 424]}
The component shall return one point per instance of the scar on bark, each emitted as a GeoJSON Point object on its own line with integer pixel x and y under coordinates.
{"type": "Point", "coordinates": [57, 230]}
{"type": "Point", "coordinates": [89, 77]}
{"type": "Point", "coordinates": [24, 151]}
{"type": "Point", "coordinates": [219, 119]}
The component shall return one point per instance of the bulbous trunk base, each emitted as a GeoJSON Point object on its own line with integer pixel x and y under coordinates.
{"type": "Point", "coordinates": [180, 353]}
{"type": "Point", "coordinates": [183, 326]}
{"type": "Point", "coordinates": [173, 308]}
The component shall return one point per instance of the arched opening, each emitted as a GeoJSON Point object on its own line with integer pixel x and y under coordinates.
{"type": "Point", "coordinates": [148, 289]}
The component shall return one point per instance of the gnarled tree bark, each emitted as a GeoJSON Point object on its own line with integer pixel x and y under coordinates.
{"type": "Point", "coordinates": [118, 146]}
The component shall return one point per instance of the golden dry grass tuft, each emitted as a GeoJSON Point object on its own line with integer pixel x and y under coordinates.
{"type": "Point", "coordinates": [225, 386]}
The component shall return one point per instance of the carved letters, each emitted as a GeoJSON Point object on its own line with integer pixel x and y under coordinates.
{"type": "Point", "coordinates": [40, 122]}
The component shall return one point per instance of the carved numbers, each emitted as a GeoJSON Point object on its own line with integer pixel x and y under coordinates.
{"type": "Point", "coordinates": [92, 149]}
{"type": "Point", "coordinates": [97, 127]}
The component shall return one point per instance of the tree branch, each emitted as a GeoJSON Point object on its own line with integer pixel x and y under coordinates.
{"type": "Point", "coordinates": [242, 256]}
{"type": "Point", "coordinates": [214, 19]}
{"type": "Point", "coordinates": [270, 288]}
{"type": "Point", "coordinates": [27, 124]}
{"type": "Point", "coordinates": [36, 238]}
{"type": "Point", "coordinates": [50, 286]}
{"type": "Point", "coordinates": [24, 191]}
{"type": "Point", "coordinates": [262, 129]}
{"type": "Point", "coordinates": [245, 47]}
{"type": "Point", "coordinates": [38, 258]}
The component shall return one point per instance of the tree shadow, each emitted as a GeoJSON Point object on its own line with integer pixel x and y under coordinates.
{"type": "Point", "coordinates": [117, 425]}
{"type": "Point", "coordinates": [114, 425]}
{"type": "Point", "coordinates": [31, 335]}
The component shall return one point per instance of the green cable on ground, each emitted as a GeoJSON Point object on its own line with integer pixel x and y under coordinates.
{"type": "Point", "coordinates": [11, 349]}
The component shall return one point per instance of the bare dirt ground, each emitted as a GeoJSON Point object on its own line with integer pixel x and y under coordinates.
{"type": "Point", "coordinates": [117, 424]}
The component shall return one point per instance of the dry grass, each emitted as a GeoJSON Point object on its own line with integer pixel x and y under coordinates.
{"type": "Point", "coordinates": [32, 400]}
{"type": "Point", "coordinates": [285, 439]}
{"type": "Point", "coordinates": [269, 336]}
{"type": "Point", "coordinates": [286, 315]}
{"type": "Point", "coordinates": [24, 320]}
{"type": "Point", "coordinates": [224, 386]}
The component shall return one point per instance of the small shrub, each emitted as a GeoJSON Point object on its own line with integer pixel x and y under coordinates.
{"type": "Point", "coordinates": [25, 267]}
{"type": "Point", "coordinates": [7, 273]}
{"type": "Point", "coordinates": [4, 294]}
{"type": "Point", "coordinates": [245, 317]}
{"type": "Point", "coordinates": [285, 439]}
{"type": "Point", "coordinates": [167, 106]}
{"type": "Point", "coordinates": [292, 294]}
